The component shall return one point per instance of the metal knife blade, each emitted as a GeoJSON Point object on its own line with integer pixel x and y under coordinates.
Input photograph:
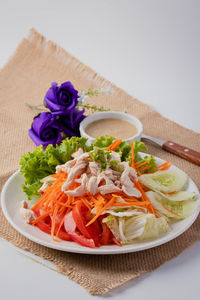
{"type": "Point", "coordinates": [179, 150]}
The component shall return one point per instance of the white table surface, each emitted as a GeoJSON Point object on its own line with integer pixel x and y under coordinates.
{"type": "Point", "coordinates": [152, 50]}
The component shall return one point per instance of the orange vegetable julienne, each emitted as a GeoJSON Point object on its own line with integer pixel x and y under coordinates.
{"type": "Point", "coordinates": [114, 145]}
{"type": "Point", "coordinates": [61, 224]}
{"type": "Point", "coordinates": [171, 193]}
{"type": "Point", "coordinates": [170, 211]}
{"type": "Point", "coordinates": [164, 166]}
{"type": "Point", "coordinates": [44, 215]}
{"type": "Point", "coordinates": [138, 164]}
{"type": "Point", "coordinates": [54, 221]}
{"type": "Point", "coordinates": [132, 156]}
{"type": "Point", "coordinates": [138, 203]}
{"type": "Point", "coordinates": [144, 197]}
{"type": "Point", "coordinates": [108, 204]}
{"type": "Point", "coordinates": [87, 203]}
{"type": "Point", "coordinates": [145, 168]}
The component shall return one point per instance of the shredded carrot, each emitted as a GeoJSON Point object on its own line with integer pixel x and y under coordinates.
{"type": "Point", "coordinates": [108, 204]}
{"type": "Point", "coordinates": [116, 196]}
{"type": "Point", "coordinates": [131, 199]}
{"type": "Point", "coordinates": [132, 156]}
{"type": "Point", "coordinates": [145, 189]}
{"type": "Point", "coordinates": [100, 198]}
{"type": "Point", "coordinates": [170, 211]}
{"type": "Point", "coordinates": [44, 215]}
{"type": "Point", "coordinates": [87, 204]}
{"type": "Point", "coordinates": [61, 224]}
{"type": "Point", "coordinates": [145, 168]}
{"type": "Point", "coordinates": [138, 203]}
{"type": "Point", "coordinates": [144, 197]}
{"type": "Point", "coordinates": [63, 204]}
{"type": "Point", "coordinates": [42, 198]}
{"type": "Point", "coordinates": [138, 164]}
{"type": "Point", "coordinates": [54, 221]}
{"type": "Point", "coordinates": [164, 166]}
{"type": "Point", "coordinates": [67, 203]}
{"type": "Point", "coordinates": [114, 145]}
{"type": "Point", "coordinates": [171, 193]}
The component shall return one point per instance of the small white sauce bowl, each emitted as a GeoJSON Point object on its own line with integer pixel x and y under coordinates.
{"type": "Point", "coordinates": [111, 115]}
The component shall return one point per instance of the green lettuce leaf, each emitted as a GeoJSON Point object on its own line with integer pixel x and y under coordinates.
{"type": "Point", "coordinates": [125, 150]}
{"type": "Point", "coordinates": [39, 163]}
{"type": "Point", "coordinates": [103, 141]}
{"type": "Point", "coordinates": [151, 163]}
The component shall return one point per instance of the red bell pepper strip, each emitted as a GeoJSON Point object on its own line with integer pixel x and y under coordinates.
{"type": "Point", "coordinates": [45, 226]}
{"type": "Point", "coordinates": [106, 234]}
{"type": "Point", "coordinates": [70, 227]}
{"type": "Point", "coordinates": [80, 215]}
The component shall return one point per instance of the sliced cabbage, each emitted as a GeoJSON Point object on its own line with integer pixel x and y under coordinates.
{"type": "Point", "coordinates": [154, 227]}
{"type": "Point", "coordinates": [180, 196]}
{"type": "Point", "coordinates": [165, 181]}
{"type": "Point", "coordinates": [145, 226]}
{"type": "Point", "coordinates": [124, 212]}
{"type": "Point", "coordinates": [113, 224]}
{"type": "Point", "coordinates": [172, 209]}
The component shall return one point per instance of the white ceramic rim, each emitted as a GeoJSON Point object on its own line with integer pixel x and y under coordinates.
{"type": "Point", "coordinates": [40, 237]}
{"type": "Point", "coordinates": [111, 115]}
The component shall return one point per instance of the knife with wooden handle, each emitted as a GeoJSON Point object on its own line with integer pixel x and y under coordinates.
{"type": "Point", "coordinates": [184, 152]}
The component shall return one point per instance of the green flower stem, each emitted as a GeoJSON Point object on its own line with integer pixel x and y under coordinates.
{"type": "Point", "coordinates": [92, 92]}
{"type": "Point", "coordinates": [36, 108]}
{"type": "Point", "coordinates": [92, 107]}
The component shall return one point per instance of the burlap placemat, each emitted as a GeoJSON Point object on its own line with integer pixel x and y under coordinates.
{"type": "Point", "coordinates": [25, 78]}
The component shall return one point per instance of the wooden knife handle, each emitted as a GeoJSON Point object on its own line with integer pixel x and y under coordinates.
{"type": "Point", "coordinates": [184, 152]}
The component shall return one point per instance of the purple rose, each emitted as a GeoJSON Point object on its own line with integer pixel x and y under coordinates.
{"type": "Point", "coordinates": [70, 123]}
{"type": "Point", "coordinates": [45, 130]}
{"type": "Point", "coordinates": [61, 99]}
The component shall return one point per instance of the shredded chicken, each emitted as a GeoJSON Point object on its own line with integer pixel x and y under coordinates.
{"type": "Point", "coordinates": [77, 170]}
{"type": "Point", "coordinates": [131, 191]}
{"type": "Point", "coordinates": [66, 167]}
{"type": "Point", "coordinates": [94, 181]}
{"type": "Point", "coordinates": [93, 168]}
{"type": "Point", "coordinates": [44, 186]}
{"type": "Point", "coordinates": [78, 153]}
{"type": "Point", "coordinates": [80, 190]}
{"type": "Point", "coordinates": [92, 185]}
{"type": "Point", "coordinates": [27, 214]}
{"type": "Point", "coordinates": [108, 188]}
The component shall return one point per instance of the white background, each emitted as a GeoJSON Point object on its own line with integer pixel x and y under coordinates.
{"type": "Point", "coordinates": [149, 48]}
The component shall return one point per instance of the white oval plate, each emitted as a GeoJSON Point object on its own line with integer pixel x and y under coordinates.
{"type": "Point", "coordinates": [12, 195]}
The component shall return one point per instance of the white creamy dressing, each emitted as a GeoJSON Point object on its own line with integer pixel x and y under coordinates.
{"type": "Point", "coordinates": [120, 129]}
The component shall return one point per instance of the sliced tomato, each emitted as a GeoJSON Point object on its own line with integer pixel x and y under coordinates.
{"type": "Point", "coordinates": [70, 227]}
{"type": "Point", "coordinates": [63, 235]}
{"type": "Point", "coordinates": [81, 216]}
{"type": "Point", "coordinates": [44, 227]}
{"type": "Point", "coordinates": [106, 234]}
{"type": "Point", "coordinates": [37, 212]}
{"type": "Point", "coordinates": [116, 242]}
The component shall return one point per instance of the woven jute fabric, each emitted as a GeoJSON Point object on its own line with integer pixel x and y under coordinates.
{"type": "Point", "coordinates": [26, 78]}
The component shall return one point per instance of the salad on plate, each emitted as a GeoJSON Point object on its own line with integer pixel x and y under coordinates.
{"type": "Point", "coordinates": [103, 193]}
